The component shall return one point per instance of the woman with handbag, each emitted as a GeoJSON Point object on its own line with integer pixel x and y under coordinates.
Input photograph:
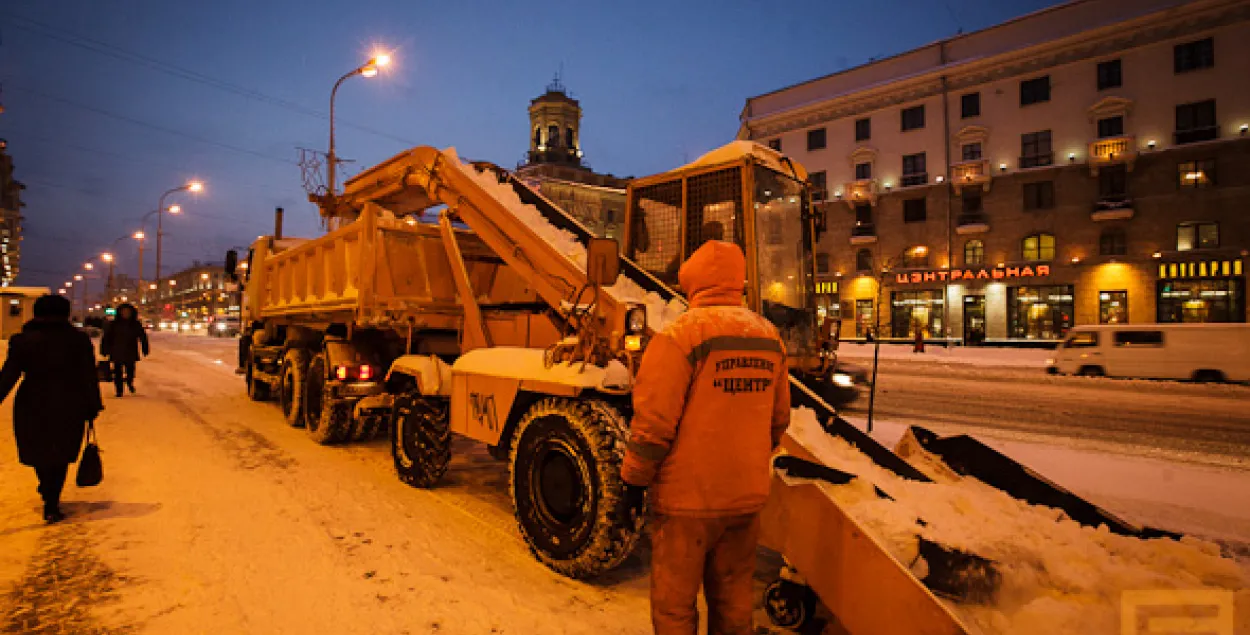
{"type": "Point", "coordinates": [58, 396]}
{"type": "Point", "coordinates": [123, 340]}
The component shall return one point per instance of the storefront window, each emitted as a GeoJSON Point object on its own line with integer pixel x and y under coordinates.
{"type": "Point", "coordinates": [863, 318]}
{"type": "Point", "coordinates": [1039, 313]}
{"type": "Point", "coordinates": [1202, 300]}
{"type": "Point", "coordinates": [911, 310]}
{"type": "Point", "coordinates": [1113, 307]}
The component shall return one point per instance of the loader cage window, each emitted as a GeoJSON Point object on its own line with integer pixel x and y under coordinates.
{"type": "Point", "coordinates": [655, 235]}
{"type": "Point", "coordinates": [714, 204]}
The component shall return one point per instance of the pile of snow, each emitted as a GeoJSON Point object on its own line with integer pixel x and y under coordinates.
{"type": "Point", "coordinates": [735, 150]}
{"type": "Point", "coordinates": [1057, 576]}
{"type": "Point", "coordinates": [659, 311]}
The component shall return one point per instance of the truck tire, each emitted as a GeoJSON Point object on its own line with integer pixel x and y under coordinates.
{"type": "Point", "coordinates": [256, 390]}
{"type": "Point", "coordinates": [566, 481]}
{"type": "Point", "coordinates": [420, 440]}
{"type": "Point", "coordinates": [365, 428]}
{"type": "Point", "coordinates": [291, 388]}
{"type": "Point", "coordinates": [325, 421]}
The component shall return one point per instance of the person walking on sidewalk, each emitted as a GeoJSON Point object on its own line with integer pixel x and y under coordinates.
{"type": "Point", "coordinates": [122, 341]}
{"type": "Point", "coordinates": [711, 401]}
{"type": "Point", "coordinates": [59, 394]}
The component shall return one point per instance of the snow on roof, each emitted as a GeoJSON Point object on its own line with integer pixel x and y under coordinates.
{"type": "Point", "coordinates": [735, 150]}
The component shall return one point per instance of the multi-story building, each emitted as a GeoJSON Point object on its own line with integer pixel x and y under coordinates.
{"type": "Point", "coordinates": [1088, 163]}
{"type": "Point", "coordinates": [10, 219]}
{"type": "Point", "coordinates": [195, 294]}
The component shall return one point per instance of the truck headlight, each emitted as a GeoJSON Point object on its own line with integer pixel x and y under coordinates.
{"type": "Point", "coordinates": [843, 380]}
{"type": "Point", "coordinates": [636, 320]}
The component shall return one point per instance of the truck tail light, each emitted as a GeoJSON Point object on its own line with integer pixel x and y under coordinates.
{"type": "Point", "coordinates": [365, 372]}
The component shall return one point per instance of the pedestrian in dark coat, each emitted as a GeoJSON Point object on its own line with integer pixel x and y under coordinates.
{"type": "Point", "coordinates": [122, 341]}
{"type": "Point", "coordinates": [59, 394]}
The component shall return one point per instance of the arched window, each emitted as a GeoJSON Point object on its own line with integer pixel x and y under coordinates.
{"type": "Point", "coordinates": [863, 260]}
{"type": "Point", "coordinates": [974, 253]}
{"type": "Point", "coordinates": [568, 138]}
{"type": "Point", "coordinates": [916, 257]}
{"type": "Point", "coordinates": [538, 136]}
{"type": "Point", "coordinates": [553, 136]}
{"type": "Point", "coordinates": [1112, 243]}
{"type": "Point", "coordinates": [1039, 247]}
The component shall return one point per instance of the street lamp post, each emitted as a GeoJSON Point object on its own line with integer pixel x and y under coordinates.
{"type": "Point", "coordinates": [368, 69]}
{"type": "Point", "coordinates": [108, 285]}
{"type": "Point", "coordinates": [83, 296]}
{"type": "Point", "coordinates": [194, 187]}
{"type": "Point", "coordinates": [140, 237]}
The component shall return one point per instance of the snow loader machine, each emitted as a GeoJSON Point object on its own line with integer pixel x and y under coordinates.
{"type": "Point", "coordinates": [450, 298]}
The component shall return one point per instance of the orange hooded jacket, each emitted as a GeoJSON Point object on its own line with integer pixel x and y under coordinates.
{"type": "Point", "coordinates": [712, 397]}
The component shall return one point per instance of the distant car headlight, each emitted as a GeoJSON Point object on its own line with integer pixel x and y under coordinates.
{"type": "Point", "coordinates": [843, 380]}
{"type": "Point", "coordinates": [636, 320]}
{"type": "Point", "coordinates": [221, 326]}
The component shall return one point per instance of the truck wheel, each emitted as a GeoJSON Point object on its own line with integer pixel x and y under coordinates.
{"type": "Point", "coordinates": [420, 440]}
{"type": "Point", "coordinates": [291, 390]}
{"type": "Point", "coordinates": [326, 422]}
{"type": "Point", "coordinates": [257, 390]}
{"type": "Point", "coordinates": [789, 604]}
{"type": "Point", "coordinates": [566, 480]}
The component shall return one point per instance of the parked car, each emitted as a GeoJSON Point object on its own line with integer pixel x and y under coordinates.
{"type": "Point", "coordinates": [224, 327]}
{"type": "Point", "coordinates": [1201, 352]}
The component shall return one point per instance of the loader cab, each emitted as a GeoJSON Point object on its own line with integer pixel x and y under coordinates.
{"type": "Point", "coordinates": [746, 194]}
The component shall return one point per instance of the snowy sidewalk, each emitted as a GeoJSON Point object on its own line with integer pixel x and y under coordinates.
{"type": "Point", "coordinates": [969, 355]}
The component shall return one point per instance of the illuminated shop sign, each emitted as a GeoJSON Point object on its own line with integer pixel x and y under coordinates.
{"type": "Point", "coordinates": [1200, 269]}
{"type": "Point", "coordinates": [826, 288]}
{"type": "Point", "coordinates": [953, 275]}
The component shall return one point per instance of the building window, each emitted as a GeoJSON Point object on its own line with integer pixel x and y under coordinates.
{"type": "Point", "coordinates": [863, 318]}
{"type": "Point", "coordinates": [822, 263]}
{"type": "Point", "coordinates": [863, 129]}
{"type": "Point", "coordinates": [914, 170]}
{"type": "Point", "coordinates": [1113, 307]}
{"type": "Point", "coordinates": [913, 118]}
{"type": "Point", "coordinates": [1035, 149]}
{"type": "Point", "coordinates": [1109, 74]}
{"type": "Point", "coordinates": [1196, 122]}
{"type": "Point", "coordinates": [1113, 243]}
{"type": "Point", "coordinates": [1196, 174]}
{"type": "Point", "coordinates": [916, 257]}
{"type": "Point", "coordinates": [1038, 248]}
{"type": "Point", "coordinates": [974, 253]}
{"type": "Point", "coordinates": [1206, 300]}
{"type": "Point", "coordinates": [914, 210]}
{"type": "Point", "coordinates": [863, 216]}
{"type": "Point", "coordinates": [1111, 127]}
{"type": "Point", "coordinates": [972, 151]}
{"type": "Point", "coordinates": [863, 260]}
{"type": "Point", "coordinates": [970, 105]}
{"type": "Point", "coordinates": [1191, 236]}
{"type": "Point", "coordinates": [538, 137]}
{"type": "Point", "coordinates": [816, 139]}
{"type": "Point", "coordinates": [569, 142]}
{"type": "Point", "coordinates": [1192, 56]}
{"type": "Point", "coordinates": [863, 171]}
{"type": "Point", "coordinates": [819, 186]}
{"type": "Point", "coordinates": [775, 144]}
{"type": "Point", "coordinates": [1039, 195]}
{"type": "Point", "coordinates": [971, 199]}
{"type": "Point", "coordinates": [916, 310]}
{"type": "Point", "coordinates": [1034, 91]}
{"type": "Point", "coordinates": [1039, 313]}
{"type": "Point", "coordinates": [553, 136]}
{"type": "Point", "coordinates": [1113, 183]}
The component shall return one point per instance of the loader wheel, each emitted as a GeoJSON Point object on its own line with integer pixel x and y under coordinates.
{"type": "Point", "coordinates": [566, 480]}
{"type": "Point", "coordinates": [420, 440]}
{"type": "Point", "coordinates": [366, 428]}
{"type": "Point", "coordinates": [256, 390]}
{"type": "Point", "coordinates": [291, 390]}
{"type": "Point", "coordinates": [789, 604]}
{"type": "Point", "coordinates": [327, 422]}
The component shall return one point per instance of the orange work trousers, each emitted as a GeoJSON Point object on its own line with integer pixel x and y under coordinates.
{"type": "Point", "coordinates": [715, 553]}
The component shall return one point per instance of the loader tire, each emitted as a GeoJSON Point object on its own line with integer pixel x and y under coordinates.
{"type": "Point", "coordinates": [789, 604]}
{"type": "Point", "coordinates": [566, 481]}
{"type": "Point", "coordinates": [420, 440]}
{"type": "Point", "coordinates": [366, 428]}
{"type": "Point", "coordinates": [256, 390]}
{"type": "Point", "coordinates": [325, 421]}
{"type": "Point", "coordinates": [291, 388]}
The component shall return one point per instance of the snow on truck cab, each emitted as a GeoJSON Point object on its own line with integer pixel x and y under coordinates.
{"type": "Point", "coordinates": [1198, 352]}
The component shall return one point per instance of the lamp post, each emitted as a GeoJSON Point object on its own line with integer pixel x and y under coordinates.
{"type": "Point", "coordinates": [139, 236]}
{"type": "Point", "coordinates": [108, 285]}
{"type": "Point", "coordinates": [83, 295]}
{"type": "Point", "coordinates": [876, 327]}
{"type": "Point", "coordinates": [368, 69]}
{"type": "Point", "coordinates": [194, 187]}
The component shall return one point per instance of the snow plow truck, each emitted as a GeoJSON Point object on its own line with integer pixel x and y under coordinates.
{"type": "Point", "coordinates": [450, 298]}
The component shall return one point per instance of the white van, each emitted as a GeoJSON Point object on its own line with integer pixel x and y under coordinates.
{"type": "Point", "coordinates": [1201, 352]}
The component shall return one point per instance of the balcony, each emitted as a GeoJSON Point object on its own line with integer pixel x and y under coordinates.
{"type": "Point", "coordinates": [861, 191]}
{"type": "Point", "coordinates": [916, 178]}
{"type": "Point", "coordinates": [1112, 208]}
{"type": "Point", "coordinates": [1194, 135]}
{"type": "Point", "coordinates": [1037, 160]}
{"type": "Point", "coordinates": [971, 173]}
{"type": "Point", "coordinates": [863, 233]}
{"type": "Point", "coordinates": [972, 223]}
{"type": "Point", "coordinates": [1112, 150]}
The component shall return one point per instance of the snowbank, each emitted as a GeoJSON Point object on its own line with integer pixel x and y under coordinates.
{"type": "Point", "coordinates": [659, 311]}
{"type": "Point", "coordinates": [1057, 576]}
{"type": "Point", "coordinates": [734, 150]}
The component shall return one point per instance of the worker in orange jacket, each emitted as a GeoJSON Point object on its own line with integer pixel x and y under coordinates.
{"type": "Point", "coordinates": [711, 401]}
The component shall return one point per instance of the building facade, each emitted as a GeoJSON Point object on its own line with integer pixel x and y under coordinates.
{"type": "Point", "coordinates": [555, 164]}
{"type": "Point", "coordinates": [10, 219]}
{"type": "Point", "coordinates": [197, 294]}
{"type": "Point", "coordinates": [1084, 164]}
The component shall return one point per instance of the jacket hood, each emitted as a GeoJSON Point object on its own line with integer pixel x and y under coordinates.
{"type": "Point", "coordinates": [134, 313]}
{"type": "Point", "coordinates": [714, 275]}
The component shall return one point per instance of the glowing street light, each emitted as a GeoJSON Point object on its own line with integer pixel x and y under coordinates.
{"type": "Point", "coordinates": [88, 266]}
{"type": "Point", "coordinates": [106, 257]}
{"type": "Point", "coordinates": [368, 69]}
{"type": "Point", "coordinates": [77, 277]}
{"type": "Point", "coordinates": [194, 187]}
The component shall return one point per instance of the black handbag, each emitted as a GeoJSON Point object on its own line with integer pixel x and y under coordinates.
{"type": "Point", "coordinates": [90, 469]}
{"type": "Point", "coordinates": [104, 371]}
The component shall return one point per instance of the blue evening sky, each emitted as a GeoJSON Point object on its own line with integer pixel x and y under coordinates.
{"type": "Point", "coordinates": [109, 103]}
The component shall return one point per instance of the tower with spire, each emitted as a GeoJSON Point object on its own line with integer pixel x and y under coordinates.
{"type": "Point", "coordinates": [555, 127]}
